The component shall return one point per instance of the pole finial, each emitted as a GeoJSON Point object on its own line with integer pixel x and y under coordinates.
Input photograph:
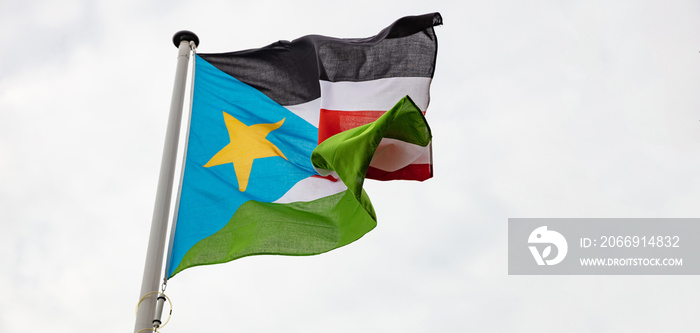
{"type": "Point", "coordinates": [185, 35]}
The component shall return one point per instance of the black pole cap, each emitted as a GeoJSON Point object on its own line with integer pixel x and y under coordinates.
{"type": "Point", "coordinates": [185, 35]}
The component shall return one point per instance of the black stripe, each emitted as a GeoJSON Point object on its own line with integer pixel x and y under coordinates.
{"type": "Point", "coordinates": [288, 72]}
{"type": "Point", "coordinates": [284, 71]}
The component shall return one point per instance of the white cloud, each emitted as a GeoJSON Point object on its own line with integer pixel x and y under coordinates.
{"type": "Point", "coordinates": [53, 14]}
{"type": "Point", "coordinates": [538, 109]}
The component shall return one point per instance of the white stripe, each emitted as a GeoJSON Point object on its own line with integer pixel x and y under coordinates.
{"type": "Point", "coordinates": [375, 95]}
{"type": "Point", "coordinates": [308, 111]}
{"type": "Point", "coordinates": [326, 172]}
{"type": "Point", "coordinates": [312, 188]}
{"type": "Point", "coordinates": [392, 155]}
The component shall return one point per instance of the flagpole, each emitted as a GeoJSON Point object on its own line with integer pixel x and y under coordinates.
{"type": "Point", "coordinates": [153, 269]}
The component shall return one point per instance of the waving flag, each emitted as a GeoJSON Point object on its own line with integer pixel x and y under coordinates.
{"type": "Point", "coordinates": [259, 119]}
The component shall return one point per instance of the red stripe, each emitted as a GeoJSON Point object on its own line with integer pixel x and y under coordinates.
{"type": "Point", "coordinates": [418, 172]}
{"type": "Point", "coordinates": [329, 177]}
{"type": "Point", "coordinates": [333, 122]}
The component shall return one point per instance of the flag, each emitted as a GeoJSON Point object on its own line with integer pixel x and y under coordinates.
{"type": "Point", "coordinates": [281, 138]}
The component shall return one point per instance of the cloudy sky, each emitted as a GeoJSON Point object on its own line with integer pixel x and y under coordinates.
{"type": "Point", "coordinates": [544, 109]}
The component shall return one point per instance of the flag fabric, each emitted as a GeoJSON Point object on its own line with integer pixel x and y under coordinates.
{"type": "Point", "coordinates": [260, 117]}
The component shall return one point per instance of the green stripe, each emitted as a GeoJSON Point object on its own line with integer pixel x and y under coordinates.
{"type": "Point", "coordinates": [299, 228]}
{"type": "Point", "coordinates": [408, 124]}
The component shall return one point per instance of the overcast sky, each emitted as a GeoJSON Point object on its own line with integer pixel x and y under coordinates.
{"type": "Point", "coordinates": [539, 109]}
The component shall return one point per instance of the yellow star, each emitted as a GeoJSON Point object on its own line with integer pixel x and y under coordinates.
{"type": "Point", "coordinates": [247, 144]}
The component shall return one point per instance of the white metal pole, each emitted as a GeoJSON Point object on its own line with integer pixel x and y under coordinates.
{"type": "Point", "coordinates": [153, 269]}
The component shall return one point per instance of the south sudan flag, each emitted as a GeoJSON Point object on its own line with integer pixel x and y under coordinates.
{"type": "Point", "coordinates": [282, 137]}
